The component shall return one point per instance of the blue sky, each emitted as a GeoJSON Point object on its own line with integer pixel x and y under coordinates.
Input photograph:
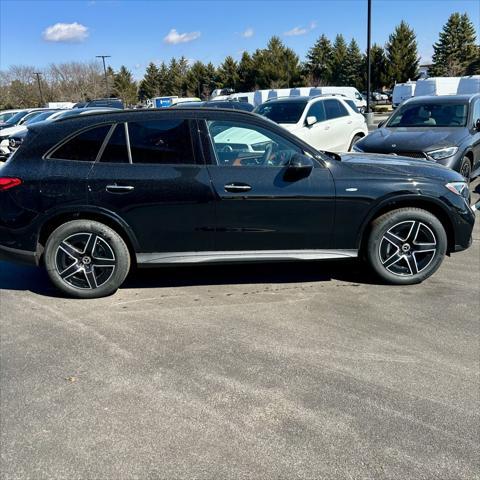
{"type": "Point", "coordinates": [137, 32]}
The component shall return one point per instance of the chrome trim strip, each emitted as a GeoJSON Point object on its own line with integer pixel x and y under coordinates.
{"type": "Point", "coordinates": [242, 256]}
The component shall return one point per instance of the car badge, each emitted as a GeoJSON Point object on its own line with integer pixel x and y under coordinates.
{"type": "Point", "coordinates": [394, 145]}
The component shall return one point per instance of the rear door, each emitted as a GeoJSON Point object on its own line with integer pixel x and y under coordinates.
{"type": "Point", "coordinates": [151, 178]}
{"type": "Point", "coordinates": [320, 135]}
{"type": "Point", "coordinates": [340, 123]}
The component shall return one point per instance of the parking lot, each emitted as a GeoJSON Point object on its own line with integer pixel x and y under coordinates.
{"type": "Point", "coordinates": [276, 371]}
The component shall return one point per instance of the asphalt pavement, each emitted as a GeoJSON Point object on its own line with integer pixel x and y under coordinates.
{"type": "Point", "coordinates": [281, 371]}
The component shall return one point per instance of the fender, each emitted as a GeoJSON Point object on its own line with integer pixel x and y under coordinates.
{"type": "Point", "coordinates": [78, 210]}
{"type": "Point", "coordinates": [405, 198]}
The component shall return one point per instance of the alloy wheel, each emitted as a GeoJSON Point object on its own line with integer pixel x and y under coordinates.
{"type": "Point", "coordinates": [85, 260]}
{"type": "Point", "coordinates": [466, 168]}
{"type": "Point", "coordinates": [407, 248]}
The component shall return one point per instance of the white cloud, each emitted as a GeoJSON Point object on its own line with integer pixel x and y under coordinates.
{"type": "Point", "coordinates": [174, 37]}
{"type": "Point", "coordinates": [301, 30]}
{"type": "Point", "coordinates": [248, 33]}
{"type": "Point", "coordinates": [66, 32]}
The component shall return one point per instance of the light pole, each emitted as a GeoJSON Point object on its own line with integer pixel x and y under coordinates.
{"type": "Point", "coordinates": [37, 74]}
{"type": "Point", "coordinates": [103, 57]}
{"type": "Point", "coordinates": [369, 61]}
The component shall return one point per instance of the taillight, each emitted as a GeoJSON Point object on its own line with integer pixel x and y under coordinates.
{"type": "Point", "coordinates": [9, 182]}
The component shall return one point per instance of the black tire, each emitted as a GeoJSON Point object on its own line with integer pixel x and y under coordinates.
{"type": "Point", "coordinates": [406, 246]}
{"type": "Point", "coordinates": [466, 168]}
{"type": "Point", "coordinates": [86, 259]}
{"type": "Point", "coordinates": [355, 139]}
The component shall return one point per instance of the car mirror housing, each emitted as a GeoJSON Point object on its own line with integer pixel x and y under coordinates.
{"type": "Point", "coordinates": [299, 166]}
{"type": "Point", "coordinates": [477, 125]}
{"type": "Point", "coordinates": [311, 120]}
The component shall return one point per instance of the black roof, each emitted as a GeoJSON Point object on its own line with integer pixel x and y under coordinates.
{"type": "Point", "coordinates": [444, 98]}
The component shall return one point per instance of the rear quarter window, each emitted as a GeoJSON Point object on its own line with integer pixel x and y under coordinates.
{"type": "Point", "coordinates": [84, 146]}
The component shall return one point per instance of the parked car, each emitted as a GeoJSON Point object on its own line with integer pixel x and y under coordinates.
{"type": "Point", "coordinates": [6, 114]}
{"type": "Point", "coordinates": [19, 118]}
{"type": "Point", "coordinates": [12, 138]}
{"type": "Point", "coordinates": [443, 129]}
{"type": "Point", "coordinates": [325, 122]}
{"type": "Point", "coordinates": [235, 105]}
{"type": "Point", "coordinates": [102, 103]}
{"type": "Point", "coordinates": [88, 196]}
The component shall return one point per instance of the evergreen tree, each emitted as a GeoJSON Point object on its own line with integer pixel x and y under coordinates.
{"type": "Point", "coordinates": [353, 65]}
{"type": "Point", "coordinates": [174, 79]}
{"type": "Point", "coordinates": [277, 66]}
{"type": "Point", "coordinates": [378, 73]}
{"type": "Point", "coordinates": [111, 81]}
{"type": "Point", "coordinates": [162, 80]}
{"type": "Point", "coordinates": [474, 66]}
{"type": "Point", "coordinates": [318, 66]}
{"type": "Point", "coordinates": [246, 73]}
{"type": "Point", "coordinates": [401, 53]}
{"type": "Point", "coordinates": [124, 87]}
{"type": "Point", "coordinates": [455, 50]}
{"type": "Point", "coordinates": [196, 79]}
{"type": "Point", "coordinates": [339, 75]}
{"type": "Point", "coordinates": [228, 73]}
{"type": "Point", "coordinates": [149, 86]}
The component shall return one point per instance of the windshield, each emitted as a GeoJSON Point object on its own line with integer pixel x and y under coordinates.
{"type": "Point", "coordinates": [282, 112]}
{"type": "Point", "coordinates": [430, 115]}
{"type": "Point", "coordinates": [16, 118]}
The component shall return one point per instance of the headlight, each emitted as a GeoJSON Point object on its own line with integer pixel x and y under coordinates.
{"type": "Point", "coordinates": [459, 188]}
{"type": "Point", "coordinates": [442, 153]}
{"type": "Point", "coordinates": [356, 148]}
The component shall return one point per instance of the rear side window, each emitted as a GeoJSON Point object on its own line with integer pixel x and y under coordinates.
{"type": "Point", "coordinates": [161, 142]}
{"type": "Point", "coordinates": [116, 150]}
{"type": "Point", "coordinates": [334, 109]}
{"type": "Point", "coordinates": [84, 146]}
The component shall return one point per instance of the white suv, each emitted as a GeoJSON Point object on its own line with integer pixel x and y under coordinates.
{"type": "Point", "coordinates": [327, 122]}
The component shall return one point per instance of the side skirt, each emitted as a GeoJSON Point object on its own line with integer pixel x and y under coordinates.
{"type": "Point", "coordinates": [145, 259]}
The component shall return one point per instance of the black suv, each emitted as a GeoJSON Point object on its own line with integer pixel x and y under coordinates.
{"type": "Point", "coordinates": [90, 196]}
{"type": "Point", "coordinates": [443, 129]}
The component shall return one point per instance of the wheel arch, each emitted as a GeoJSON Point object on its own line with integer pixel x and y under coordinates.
{"type": "Point", "coordinates": [428, 204]}
{"type": "Point", "coordinates": [103, 216]}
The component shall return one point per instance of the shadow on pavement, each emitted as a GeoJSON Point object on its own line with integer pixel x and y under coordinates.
{"type": "Point", "coordinates": [19, 277]}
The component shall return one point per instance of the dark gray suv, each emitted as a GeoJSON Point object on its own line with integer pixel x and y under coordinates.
{"type": "Point", "coordinates": [444, 129]}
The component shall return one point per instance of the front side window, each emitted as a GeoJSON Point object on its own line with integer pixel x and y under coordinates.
{"type": "Point", "coordinates": [317, 110]}
{"type": "Point", "coordinates": [334, 109]}
{"type": "Point", "coordinates": [161, 142]}
{"type": "Point", "coordinates": [424, 114]}
{"type": "Point", "coordinates": [241, 144]}
{"type": "Point", "coordinates": [83, 147]}
{"type": "Point", "coordinates": [476, 111]}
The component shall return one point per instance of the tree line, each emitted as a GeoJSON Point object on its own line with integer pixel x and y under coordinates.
{"type": "Point", "coordinates": [276, 66]}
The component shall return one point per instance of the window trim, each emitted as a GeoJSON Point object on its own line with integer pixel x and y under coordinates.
{"type": "Point", "coordinates": [52, 150]}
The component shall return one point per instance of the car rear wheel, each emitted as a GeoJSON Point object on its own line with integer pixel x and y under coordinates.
{"type": "Point", "coordinates": [86, 259]}
{"type": "Point", "coordinates": [466, 168]}
{"type": "Point", "coordinates": [406, 246]}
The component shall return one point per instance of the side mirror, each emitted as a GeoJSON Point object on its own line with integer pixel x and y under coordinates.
{"type": "Point", "coordinates": [299, 166]}
{"type": "Point", "coordinates": [311, 120]}
{"type": "Point", "coordinates": [477, 125]}
{"type": "Point", "coordinates": [381, 124]}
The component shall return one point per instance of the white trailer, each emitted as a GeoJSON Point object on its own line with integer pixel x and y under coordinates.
{"type": "Point", "coordinates": [469, 85]}
{"type": "Point", "coordinates": [437, 86]}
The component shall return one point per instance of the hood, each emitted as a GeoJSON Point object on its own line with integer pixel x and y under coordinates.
{"type": "Point", "coordinates": [6, 132]}
{"type": "Point", "coordinates": [412, 139]}
{"type": "Point", "coordinates": [291, 127]}
{"type": "Point", "coordinates": [396, 166]}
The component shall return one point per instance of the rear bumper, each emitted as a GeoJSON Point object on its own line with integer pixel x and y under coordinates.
{"type": "Point", "coordinates": [18, 256]}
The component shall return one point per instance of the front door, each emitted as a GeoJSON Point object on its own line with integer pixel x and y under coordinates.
{"type": "Point", "coordinates": [259, 206]}
{"type": "Point", "coordinates": [149, 176]}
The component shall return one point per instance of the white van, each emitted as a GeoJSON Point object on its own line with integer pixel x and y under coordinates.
{"type": "Point", "coordinates": [469, 85]}
{"type": "Point", "coordinates": [402, 92]}
{"type": "Point", "coordinates": [349, 92]}
{"type": "Point", "coordinates": [437, 86]}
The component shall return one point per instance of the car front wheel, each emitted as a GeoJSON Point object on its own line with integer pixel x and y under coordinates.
{"type": "Point", "coordinates": [86, 259]}
{"type": "Point", "coordinates": [466, 168]}
{"type": "Point", "coordinates": [406, 246]}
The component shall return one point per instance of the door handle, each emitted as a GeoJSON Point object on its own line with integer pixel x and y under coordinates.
{"type": "Point", "coordinates": [237, 187]}
{"type": "Point", "coordinates": [119, 188]}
